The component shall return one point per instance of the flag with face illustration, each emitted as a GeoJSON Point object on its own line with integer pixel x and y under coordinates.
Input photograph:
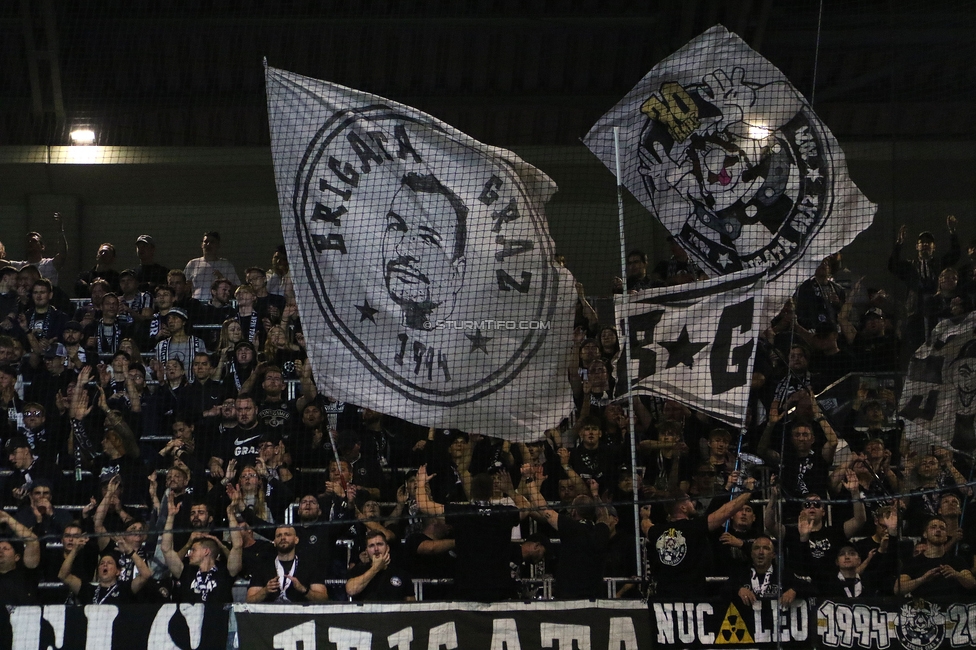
{"type": "Point", "coordinates": [422, 262]}
{"type": "Point", "coordinates": [733, 161]}
{"type": "Point", "coordinates": [938, 398]}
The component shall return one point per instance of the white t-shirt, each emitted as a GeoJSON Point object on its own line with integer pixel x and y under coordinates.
{"type": "Point", "coordinates": [45, 267]}
{"type": "Point", "coordinates": [202, 274]}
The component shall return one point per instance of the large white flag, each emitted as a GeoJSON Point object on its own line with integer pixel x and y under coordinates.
{"type": "Point", "coordinates": [733, 161]}
{"type": "Point", "coordinates": [938, 399]}
{"type": "Point", "coordinates": [422, 263]}
{"type": "Point", "coordinates": [695, 343]}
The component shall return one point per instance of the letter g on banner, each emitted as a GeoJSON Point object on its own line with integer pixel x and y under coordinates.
{"type": "Point", "coordinates": [730, 366]}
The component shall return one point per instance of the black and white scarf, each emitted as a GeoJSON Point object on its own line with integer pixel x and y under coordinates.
{"type": "Point", "coordinates": [284, 579]}
{"type": "Point", "coordinates": [852, 586]}
{"type": "Point", "coordinates": [763, 587]}
{"type": "Point", "coordinates": [204, 583]}
{"type": "Point", "coordinates": [108, 344]}
{"type": "Point", "coordinates": [98, 598]}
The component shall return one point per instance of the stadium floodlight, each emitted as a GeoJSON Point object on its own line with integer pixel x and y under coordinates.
{"type": "Point", "coordinates": [82, 137]}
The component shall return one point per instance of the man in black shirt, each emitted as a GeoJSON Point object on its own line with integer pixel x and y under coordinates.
{"type": "Point", "coordinates": [110, 590]}
{"type": "Point", "coordinates": [241, 442]}
{"type": "Point", "coordinates": [584, 533]}
{"type": "Point", "coordinates": [202, 579]}
{"type": "Point", "coordinates": [680, 550]}
{"type": "Point", "coordinates": [483, 533]}
{"type": "Point", "coordinates": [380, 579]}
{"type": "Point", "coordinates": [289, 579]}
{"type": "Point", "coordinates": [18, 580]}
{"type": "Point", "coordinates": [934, 573]}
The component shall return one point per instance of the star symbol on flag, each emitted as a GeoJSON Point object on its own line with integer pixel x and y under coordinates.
{"type": "Point", "coordinates": [367, 311]}
{"type": "Point", "coordinates": [683, 350]}
{"type": "Point", "coordinates": [813, 174]}
{"type": "Point", "coordinates": [478, 341]}
{"type": "Point", "coordinates": [724, 260]}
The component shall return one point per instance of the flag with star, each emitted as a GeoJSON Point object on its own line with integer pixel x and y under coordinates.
{"type": "Point", "coordinates": [423, 268]}
{"type": "Point", "coordinates": [718, 145]}
{"type": "Point", "coordinates": [694, 343]}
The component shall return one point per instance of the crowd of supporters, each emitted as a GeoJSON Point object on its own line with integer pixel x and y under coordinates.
{"type": "Point", "coordinates": [165, 439]}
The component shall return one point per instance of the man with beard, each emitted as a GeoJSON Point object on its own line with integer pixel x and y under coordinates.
{"type": "Point", "coordinates": [275, 412]}
{"type": "Point", "coordinates": [423, 249]}
{"type": "Point", "coordinates": [935, 573]}
{"type": "Point", "coordinates": [203, 579]}
{"type": "Point", "coordinates": [315, 535]}
{"type": "Point", "coordinates": [381, 579]}
{"type": "Point", "coordinates": [73, 337]}
{"type": "Point", "coordinates": [214, 430]}
{"type": "Point", "coordinates": [680, 549]}
{"type": "Point", "coordinates": [241, 442]}
{"type": "Point", "coordinates": [290, 578]}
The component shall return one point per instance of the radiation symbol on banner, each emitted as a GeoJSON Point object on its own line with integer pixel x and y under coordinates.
{"type": "Point", "coordinates": [733, 630]}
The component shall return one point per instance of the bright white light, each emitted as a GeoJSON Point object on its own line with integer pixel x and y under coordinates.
{"type": "Point", "coordinates": [758, 132]}
{"type": "Point", "coordinates": [82, 137]}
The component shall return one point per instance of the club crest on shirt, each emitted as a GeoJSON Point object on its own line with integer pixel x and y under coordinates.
{"type": "Point", "coordinates": [671, 547]}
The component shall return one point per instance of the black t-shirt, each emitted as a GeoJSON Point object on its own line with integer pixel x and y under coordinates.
{"type": "Point", "coordinates": [815, 557]}
{"type": "Point", "coordinates": [681, 556]}
{"type": "Point", "coordinates": [483, 533]}
{"type": "Point", "coordinates": [938, 587]}
{"type": "Point", "coordinates": [437, 566]}
{"type": "Point", "coordinates": [281, 417]}
{"type": "Point", "coordinates": [391, 584]}
{"type": "Point", "coordinates": [582, 554]}
{"type": "Point", "coordinates": [118, 594]}
{"type": "Point", "coordinates": [258, 553]}
{"type": "Point", "coordinates": [241, 444]}
{"type": "Point", "coordinates": [307, 572]}
{"type": "Point", "coordinates": [18, 586]}
{"type": "Point", "coordinates": [210, 587]}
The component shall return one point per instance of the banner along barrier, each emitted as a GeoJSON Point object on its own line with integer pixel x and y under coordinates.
{"type": "Point", "coordinates": [596, 625]}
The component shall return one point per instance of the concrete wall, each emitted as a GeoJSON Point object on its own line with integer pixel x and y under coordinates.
{"type": "Point", "coordinates": [176, 194]}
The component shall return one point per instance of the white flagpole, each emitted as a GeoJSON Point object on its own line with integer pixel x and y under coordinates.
{"type": "Point", "coordinates": [625, 351]}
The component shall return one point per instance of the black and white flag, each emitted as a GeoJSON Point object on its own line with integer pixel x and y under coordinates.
{"type": "Point", "coordinates": [695, 343]}
{"type": "Point", "coordinates": [938, 398]}
{"type": "Point", "coordinates": [422, 263]}
{"type": "Point", "coordinates": [733, 161]}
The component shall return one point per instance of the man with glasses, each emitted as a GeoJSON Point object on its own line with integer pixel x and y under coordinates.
{"type": "Point", "coordinates": [811, 547]}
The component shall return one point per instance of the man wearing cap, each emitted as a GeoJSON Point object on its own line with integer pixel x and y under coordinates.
{"type": "Point", "coordinates": [819, 299]}
{"type": "Point", "coordinates": [874, 349]}
{"type": "Point", "coordinates": [203, 270]}
{"type": "Point", "coordinates": [828, 362]}
{"type": "Point", "coordinates": [27, 468]}
{"type": "Point", "coordinates": [73, 337]}
{"type": "Point", "coordinates": [149, 273]}
{"type": "Point", "coordinates": [135, 306]}
{"type": "Point", "coordinates": [47, 380]}
{"type": "Point", "coordinates": [921, 275]}
{"type": "Point", "coordinates": [179, 345]}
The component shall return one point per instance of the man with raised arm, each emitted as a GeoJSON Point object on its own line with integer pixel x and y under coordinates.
{"type": "Point", "coordinates": [381, 579]}
{"type": "Point", "coordinates": [203, 579]}
{"type": "Point", "coordinates": [483, 532]}
{"type": "Point", "coordinates": [109, 588]}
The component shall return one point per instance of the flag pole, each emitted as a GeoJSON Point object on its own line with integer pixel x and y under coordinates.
{"type": "Point", "coordinates": [625, 354]}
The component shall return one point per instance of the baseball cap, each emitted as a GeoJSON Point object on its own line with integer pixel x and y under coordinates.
{"type": "Point", "coordinates": [179, 312]}
{"type": "Point", "coordinates": [145, 239]}
{"type": "Point", "coordinates": [74, 325]}
{"type": "Point", "coordinates": [56, 350]}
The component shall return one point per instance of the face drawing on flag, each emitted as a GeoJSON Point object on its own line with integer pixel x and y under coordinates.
{"type": "Point", "coordinates": [734, 168]}
{"type": "Point", "coordinates": [423, 250]}
{"type": "Point", "coordinates": [962, 374]}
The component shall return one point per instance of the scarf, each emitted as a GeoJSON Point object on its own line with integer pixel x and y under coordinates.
{"type": "Point", "coordinates": [108, 344]}
{"type": "Point", "coordinates": [763, 588]}
{"type": "Point", "coordinates": [852, 586]}
{"type": "Point", "coordinates": [40, 325]}
{"type": "Point", "coordinates": [204, 583]}
{"type": "Point", "coordinates": [284, 579]}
